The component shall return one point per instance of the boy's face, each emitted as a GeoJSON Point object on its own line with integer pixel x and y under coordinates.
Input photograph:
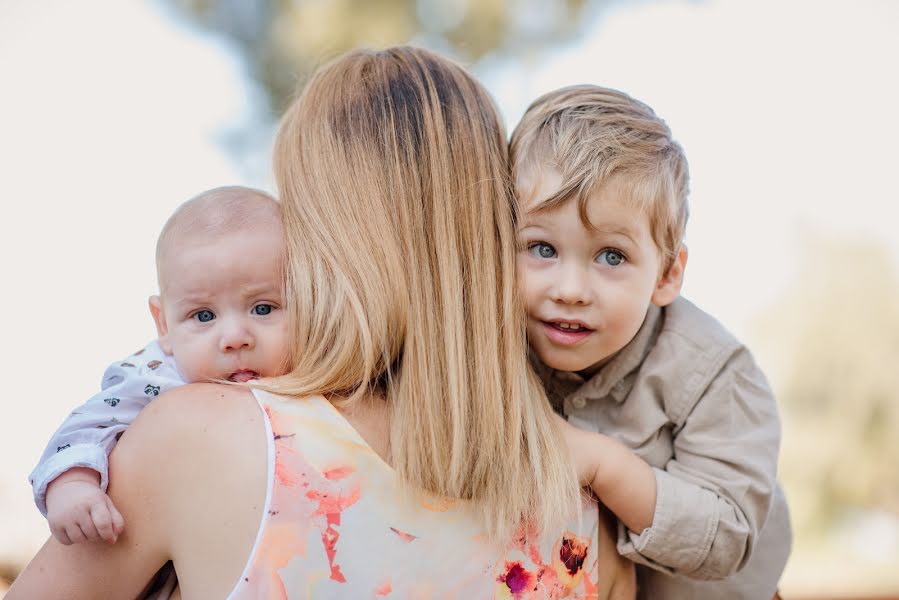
{"type": "Point", "coordinates": [221, 312]}
{"type": "Point", "coordinates": [586, 291]}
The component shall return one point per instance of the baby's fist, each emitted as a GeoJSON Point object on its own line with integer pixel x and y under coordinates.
{"type": "Point", "coordinates": [78, 510]}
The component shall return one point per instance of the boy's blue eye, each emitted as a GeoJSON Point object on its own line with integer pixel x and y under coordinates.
{"type": "Point", "coordinates": [542, 250]}
{"type": "Point", "coordinates": [613, 258]}
{"type": "Point", "coordinates": [204, 316]}
{"type": "Point", "coordinates": [263, 309]}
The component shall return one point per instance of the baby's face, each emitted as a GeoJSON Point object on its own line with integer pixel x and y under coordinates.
{"type": "Point", "coordinates": [222, 306]}
{"type": "Point", "coordinates": [586, 292]}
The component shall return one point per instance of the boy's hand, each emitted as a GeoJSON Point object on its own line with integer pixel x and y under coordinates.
{"type": "Point", "coordinates": [78, 510]}
{"type": "Point", "coordinates": [621, 480]}
{"type": "Point", "coordinates": [584, 459]}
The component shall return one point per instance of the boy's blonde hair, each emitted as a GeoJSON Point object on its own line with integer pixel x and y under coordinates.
{"type": "Point", "coordinates": [392, 169]}
{"type": "Point", "coordinates": [594, 136]}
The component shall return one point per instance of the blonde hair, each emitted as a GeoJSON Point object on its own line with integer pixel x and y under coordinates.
{"type": "Point", "coordinates": [594, 136]}
{"type": "Point", "coordinates": [392, 169]}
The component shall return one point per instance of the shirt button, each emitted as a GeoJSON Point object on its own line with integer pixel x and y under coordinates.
{"type": "Point", "coordinates": [578, 403]}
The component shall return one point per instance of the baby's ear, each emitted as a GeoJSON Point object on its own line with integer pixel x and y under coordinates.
{"type": "Point", "coordinates": [669, 283]}
{"type": "Point", "coordinates": [162, 329]}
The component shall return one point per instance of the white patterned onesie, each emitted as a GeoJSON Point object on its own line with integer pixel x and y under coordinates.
{"type": "Point", "coordinates": [90, 432]}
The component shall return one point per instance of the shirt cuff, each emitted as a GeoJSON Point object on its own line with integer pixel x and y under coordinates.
{"type": "Point", "coordinates": [682, 531]}
{"type": "Point", "coordinates": [79, 455]}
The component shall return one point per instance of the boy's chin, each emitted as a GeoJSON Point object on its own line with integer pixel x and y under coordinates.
{"type": "Point", "coordinates": [565, 361]}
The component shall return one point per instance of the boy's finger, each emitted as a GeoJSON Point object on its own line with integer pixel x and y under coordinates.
{"type": "Point", "coordinates": [102, 521]}
{"type": "Point", "coordinates": [118, 521]}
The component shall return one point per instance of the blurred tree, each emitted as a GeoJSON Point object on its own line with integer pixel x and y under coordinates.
{"type": "Point", "coordinates": [835, 341]}
{"type": "Point", "coordinates": [285, 39]}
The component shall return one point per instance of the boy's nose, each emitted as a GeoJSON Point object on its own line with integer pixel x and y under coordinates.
{"type": "Point", "coordinates": [570, 287]}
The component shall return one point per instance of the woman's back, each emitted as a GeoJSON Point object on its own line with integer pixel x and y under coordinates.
{"type": "Point", "coordinates": [336, 524]}
{"type": "Point", "coordinates": [294, 503]}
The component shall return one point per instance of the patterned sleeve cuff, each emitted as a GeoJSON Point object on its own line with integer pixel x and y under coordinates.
{"type": "Point", "coordinates": [682, 531]}
{"type": "Point", "coordinates": [79, 455]}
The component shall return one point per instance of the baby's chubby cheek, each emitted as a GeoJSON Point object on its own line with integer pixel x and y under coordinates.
{"type": "Point", "coordinates": [194, 365]}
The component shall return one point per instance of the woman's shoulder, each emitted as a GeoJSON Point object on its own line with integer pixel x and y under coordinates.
{"type": "Point", "coordinates": [200, 400]}
{"type": "Point", "coordinates": [193, 459]}
{"type": "Point", "coordinates": [197, 426]}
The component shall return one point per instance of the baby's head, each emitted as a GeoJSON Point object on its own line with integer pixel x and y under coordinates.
{"type": "Point", "coordinates": [602, 192]}
{"type": "Point", "coordinates": [219, 311]}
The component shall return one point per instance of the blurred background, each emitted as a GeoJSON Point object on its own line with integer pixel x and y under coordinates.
{"type": "Point", "coordinates": [113, 112]}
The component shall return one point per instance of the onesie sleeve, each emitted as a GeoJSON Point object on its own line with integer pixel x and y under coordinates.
{"type": "Point", "coordinates": [714, 495]}
{"type": "Point", "coordinates": [89, 433]}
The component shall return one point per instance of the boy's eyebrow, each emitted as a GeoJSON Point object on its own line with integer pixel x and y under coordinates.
{"type": "Point", "coordinates": [611, 229]}
{"type": "Point", "coordinates": [616, 230]}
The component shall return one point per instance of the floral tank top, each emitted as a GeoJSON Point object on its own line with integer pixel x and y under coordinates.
{"type": "Point", "coordinates": [336, 525]}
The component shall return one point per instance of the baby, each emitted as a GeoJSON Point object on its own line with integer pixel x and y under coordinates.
{"type": "Point", "coordinates": [219, 315]}
{"type": "Point", "coordinates": [687, 430]}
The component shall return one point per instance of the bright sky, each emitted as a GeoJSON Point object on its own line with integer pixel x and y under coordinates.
{"type": "Point", "coordinates": [112, 114]}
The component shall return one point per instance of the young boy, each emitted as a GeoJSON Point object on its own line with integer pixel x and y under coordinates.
{"type": "Point", "coordinates": [687, 431]}
{"type": "Point", "coordinates": [219, 317]}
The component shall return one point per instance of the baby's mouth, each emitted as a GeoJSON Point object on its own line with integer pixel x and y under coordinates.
{"type": "Point", "coordinates": [243, 376]}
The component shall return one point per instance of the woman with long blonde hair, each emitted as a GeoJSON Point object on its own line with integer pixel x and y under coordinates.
{"type": "Point", "coordinates": [409, 450]}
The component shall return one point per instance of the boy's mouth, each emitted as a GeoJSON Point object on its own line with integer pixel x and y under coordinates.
{"type": "Point", "coordinates": [566, 333]}
{"type": "Point", "coordinates": [243, 376]}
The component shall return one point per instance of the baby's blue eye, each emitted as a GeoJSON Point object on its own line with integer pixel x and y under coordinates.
{"type": "Point", "coordinates": [613, 258]}
{"type": "Point", "coordinates": [542, 250]}
{"type": "Point", "coordinates": [204, 316]}
{"type": "Point", "coordinates": [263, 309]}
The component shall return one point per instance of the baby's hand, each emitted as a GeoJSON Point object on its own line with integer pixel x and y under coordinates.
{"type": "Point", "coordinates": [78, 510]}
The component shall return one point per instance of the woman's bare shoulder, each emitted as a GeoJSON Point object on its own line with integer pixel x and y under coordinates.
{"type": "Point", "coordinates": [200, 400]}
{"type": "Point", "coordinates": [207, 422]}
{"type": "Point", "coordinates": [196, 458]}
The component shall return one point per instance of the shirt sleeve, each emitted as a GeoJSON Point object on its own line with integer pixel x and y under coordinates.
{"type": "Point", "coordinates": [90, 432]}
{"type": "Point", "coordinates": [714, 495]}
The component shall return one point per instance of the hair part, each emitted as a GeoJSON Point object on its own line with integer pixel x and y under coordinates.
{"type": "Point", "coordinates": [392, 167]}
{"type": "Point", "coordinates": [595, 136]}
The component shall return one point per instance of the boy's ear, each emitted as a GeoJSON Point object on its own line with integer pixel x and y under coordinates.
{"type": "Point", "coordinates": [669, 283]}
{"type": "Point", "coordinates": [162, 329]}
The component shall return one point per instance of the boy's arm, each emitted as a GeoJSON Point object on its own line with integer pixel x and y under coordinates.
{"type": "Point", "coordinates": [622, 481]}
{"type": "Point", "coordinates": [713, 497]}
{"type": "Point", "coordinates": [90, 432]}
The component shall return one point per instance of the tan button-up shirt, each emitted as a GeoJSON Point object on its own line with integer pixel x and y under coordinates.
{"type": "Point", "coordinates": [689, 399]}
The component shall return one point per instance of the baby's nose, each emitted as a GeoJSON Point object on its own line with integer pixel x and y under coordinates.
{"type": "Point", "coordinates": [236, 337]}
